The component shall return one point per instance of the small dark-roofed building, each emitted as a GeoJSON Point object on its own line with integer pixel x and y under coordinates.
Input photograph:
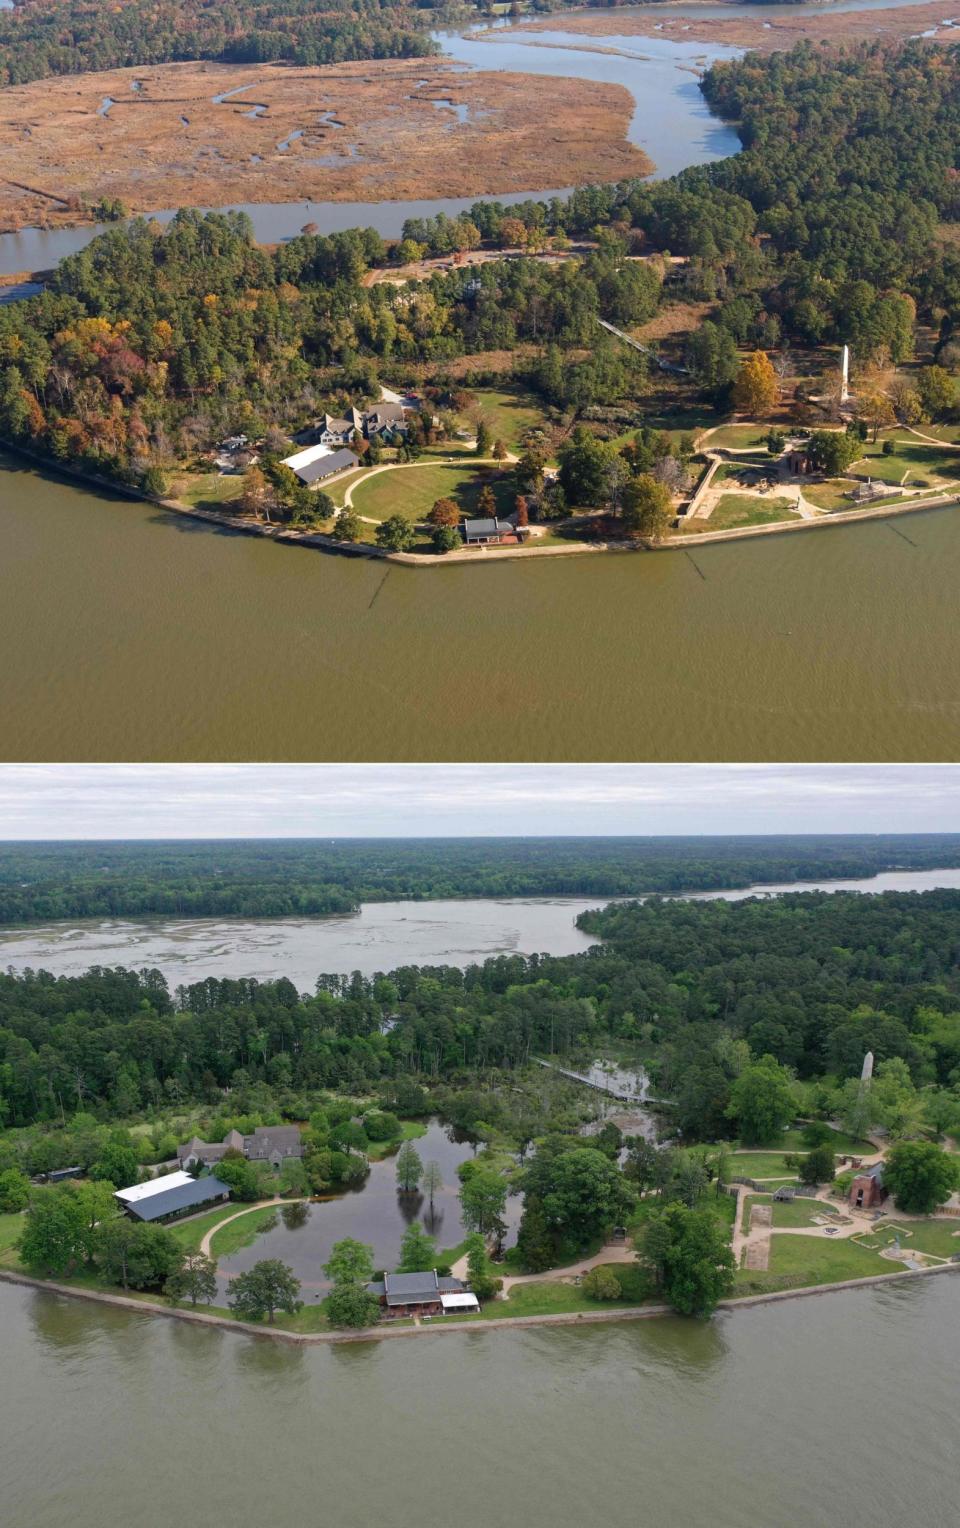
{"type": "Point", "coordinates": [165, 1198]}
{"type": "Point", "coordinates": [867, 1188]}
{"type": "Point", "coordinates": [415, 1294]}
{"type": "Point", "coordinates": [482, 532]}
{"type": "Point", "coordinates": [60, 1174]}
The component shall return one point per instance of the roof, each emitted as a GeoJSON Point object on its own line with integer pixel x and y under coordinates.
{"type": "Point", "coordinates": [140, 1191]}
{"type": "Point", "coordinates": [461, 1300]}
{"type": "Point", "coordinates": [326, 465]}
{"type": "Point", "coordinates": [269, 1138]}
{"type": "Point", "coordinates": [481, 527]}
{"type": "Point", "coordinates": [414, 1288]}
{"type": "Point", "coordinates": [338, 426]}
{"type": "Point", "coordinates": [172, 1195]}
{"type": "Point", "coordinates": [385, 413]}
{"type": "Point", "coordinates": [304, 458]}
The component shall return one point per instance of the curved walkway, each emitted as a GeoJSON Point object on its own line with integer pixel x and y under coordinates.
{"type": "Point", "coordinates": [424, 461]}
{"type": "Point", "coordinates": [261, 1204]}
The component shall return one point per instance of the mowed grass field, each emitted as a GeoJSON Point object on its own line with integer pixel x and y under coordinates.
{"type": "Point", "coordinates": [919, 464]}
{"type": "Point", "coordinates": [507, 415]}
{"type": "Point", "coordinates": [734, 509]}
{"type": "Point", "coordinates": [412, 491]}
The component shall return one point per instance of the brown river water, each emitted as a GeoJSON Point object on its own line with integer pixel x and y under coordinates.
{"type": "Point", "coordinates": [815, 1412]}
{"type": "Point", "coordinates": [129, 633]}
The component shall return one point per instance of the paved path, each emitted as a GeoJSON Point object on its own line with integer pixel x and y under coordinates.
{"type": "Point", "coordinates": [423, 461]}
{"type": "Point", "coordinates": [614, 1252]}
{"type": "Point", "coordinates": [261, 1204]}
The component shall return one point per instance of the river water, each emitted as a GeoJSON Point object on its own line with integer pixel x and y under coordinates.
{"type": "Point", "coordinates": [381, 937]}
{"type": "Point", "coordinates": [131, 633]}
{"type": "Point", "coordinates": [837, 1410]}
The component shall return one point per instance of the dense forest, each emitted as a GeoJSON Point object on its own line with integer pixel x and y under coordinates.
{"type": "Point", "coordinates": [39, 38]}
{"type": "Point", "coordinates": [151, 344]}
{"type": "Point", "coordinates": [308, 877]}
{"type": "Point", "coordinates": [812, 980]}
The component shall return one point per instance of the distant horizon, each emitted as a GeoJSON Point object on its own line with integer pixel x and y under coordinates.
{"type": "Point", "coordinates": [140, 803]}
{"type": "Point", "coordinates": [466, 838]}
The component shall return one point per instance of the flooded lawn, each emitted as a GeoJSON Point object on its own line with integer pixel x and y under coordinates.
{"type": "Point", "coordinates": [375, 1213]}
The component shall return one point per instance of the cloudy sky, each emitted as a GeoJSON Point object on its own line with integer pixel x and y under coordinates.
{"type": "Point", "coordinates": [375, 800]}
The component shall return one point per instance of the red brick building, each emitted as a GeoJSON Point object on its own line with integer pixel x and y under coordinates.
{"type": "Point", "coordinates": [867, 1188]}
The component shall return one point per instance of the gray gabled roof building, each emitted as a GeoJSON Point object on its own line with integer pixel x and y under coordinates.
{"type": "Point", "coordinates": [172, 1195]}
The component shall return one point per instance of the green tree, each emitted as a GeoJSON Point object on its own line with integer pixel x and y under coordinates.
{"type": "Point", "coordinates": [418, 1253]}
{"type": "Point", "coordinates": [818, 1166]}
{"type": "Point", "coordinates": [483, 1283]}
{"type": "Point", "coordinates": [762, 1102]}
{"type": "Point", "coordinates": [347, 526]}
{"type": "Point", "coordinates": [833, 451]}
{"type": "Point", "coordinates": [396, 534]}
{"type": "Point", "coordinates": [409, 1167]}
{"type": "Point", "coordinates": [241, 1178]}
{"type": "Point", "coordinates": [432, 1180]}
{"type": "Point", "coordinates": [446, 538]}
{"type": "Point", "coordinates": [688, 1253]}
{"type": "Point", "coordinates": [938, 391]}
{"type": "Point", "coordinates": [350, 1305]}
{"type": "Point", "coordinates": [483, 1199]}
{"type": "Point", "coordinates": [54, 1231]}
{"type": "Point", "coordinates": [137, 1256]}
{"type": "Point", "coordinates": [264, 1289]}
{"type": "Point", "coordinates": [117, 1164]}
{"type": "Point", "coordinates": [601, 1283]}
{"type": "Point", "coordinates": [920, 1176]}
{"type": "Point", "coordinates": [350, 1261]}
{"type": "Point", "coordinates": [647, 507]}
{"type": "Point", "coordinates": [14, 1191]}
{"type": "Point", "coordinates": [195, 1280]}
{"type": "Point", "coordinates": [484, 438]}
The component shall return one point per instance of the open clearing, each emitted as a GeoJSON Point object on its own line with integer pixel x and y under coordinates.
{"type": "Point", "coordinates": [413, 491]}
{"type": "Point", "coordinates": [208, 134]}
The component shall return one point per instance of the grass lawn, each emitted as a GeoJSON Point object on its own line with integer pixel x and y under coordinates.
{"type": "Point", "coordinates": [206, 490]}
{"type": "Point", "coordinates": [548, 1297]}
{"type": "Point", "coordinates": [412, 1130]}
{"type": "Point", "coordinates": [739, 437]}
{"type": "Point", "coordinates": [508, 415]}
{"type": "Point", "coordinates": [10, 1229]}
{"type": "Point", "coordinates": [920, 464]}
{"type": "Point", "coordinates": [948, 432]}
{"type": "Point", "coordinates": [798, 1261]}
{"type": "Point", "coordinates": [413, 491]}
{"type": "Point", "coordinates": [939, 1237]}
{"type": "Point", "coordinates": [190, 1233]}
{"type": "Point", "coordinates": [336, 490]}
{"type": "Point", "coordinates": [792, 1140]}
{"type": "Point", "coordinates": [757, 1164]}
{"type": "Point", "coordinates": [242, 1232]}
{"type": "Point", "coordinates": [733, 509]}
{"type": "Point", "coordinates": [799, 1213]}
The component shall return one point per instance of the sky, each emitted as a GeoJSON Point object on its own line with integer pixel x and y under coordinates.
{"type": "Point", "coordinates": [58, 801]}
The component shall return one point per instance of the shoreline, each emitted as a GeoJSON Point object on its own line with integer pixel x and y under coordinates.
{"type": "Point", "coordinates": [319, 541]}
{"type": "Point", "coordinates": [497, 1323]}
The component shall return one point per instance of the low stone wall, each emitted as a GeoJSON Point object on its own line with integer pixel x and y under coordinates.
{"type": "Point", "coordinates": [386, 1333]}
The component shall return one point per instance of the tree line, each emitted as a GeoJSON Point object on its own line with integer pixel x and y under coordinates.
{"type": "Point", "coordinates": [807, 982]}
{"type": "Point", "coordinates": [310, 878]}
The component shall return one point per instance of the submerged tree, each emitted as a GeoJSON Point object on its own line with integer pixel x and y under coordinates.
{"type": "Point", "coordinates": [409, 1167]}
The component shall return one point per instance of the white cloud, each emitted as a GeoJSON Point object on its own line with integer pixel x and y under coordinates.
{"type": "Point", "coordinates": [327, 800]}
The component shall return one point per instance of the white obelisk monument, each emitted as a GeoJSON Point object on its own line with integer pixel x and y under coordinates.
{"type": "Point", "coordinates": [845, 374]}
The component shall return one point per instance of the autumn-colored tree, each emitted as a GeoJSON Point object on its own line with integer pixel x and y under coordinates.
{"type": "Point", "coordinates": [523, 510]}
{"type": "Point", "coordinates": [755, 385]}
{"type": "Point", "coordinates": [499, 451]}
{"type": "Point", "coordinates": [876, 411]}
{"type": "Point", "coordinates": [445, 512]}
{"type": "Point", "coordinates": [486, 502]}
{"type": "Point", "coordinates": [647, 508]}
{"type": "Point", "coordinates": [254, 495]}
